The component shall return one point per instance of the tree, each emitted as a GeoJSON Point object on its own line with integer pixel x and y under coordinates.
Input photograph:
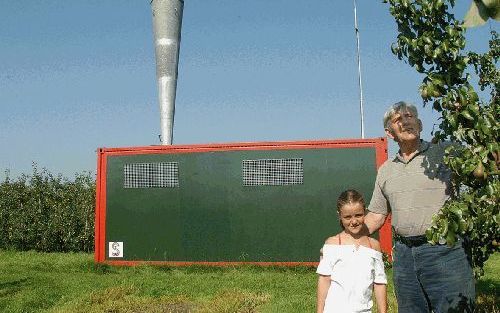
{"type": "Point", "coordinates": [432, 41]}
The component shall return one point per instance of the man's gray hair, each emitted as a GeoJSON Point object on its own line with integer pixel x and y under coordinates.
{"type": "Point", "coordinates": [396, 108]}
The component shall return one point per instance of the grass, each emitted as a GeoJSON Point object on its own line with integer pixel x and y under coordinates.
{"type": "Point", "coordinates": [56, 282]}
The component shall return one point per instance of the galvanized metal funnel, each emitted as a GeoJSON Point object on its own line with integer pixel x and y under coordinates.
{"type": "Point", "coordinates": [167, 23]}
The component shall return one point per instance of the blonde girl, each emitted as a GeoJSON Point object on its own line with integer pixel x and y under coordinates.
{"type": "Point", "coordinates": [351, 265]}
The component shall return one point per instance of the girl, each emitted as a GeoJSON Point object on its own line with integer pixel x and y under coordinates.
{"type": "Point", "coordinates": [351, 263]}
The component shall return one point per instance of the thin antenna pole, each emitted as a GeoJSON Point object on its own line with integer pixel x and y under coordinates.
{"type": "Point", "coordinates": [359, 73]}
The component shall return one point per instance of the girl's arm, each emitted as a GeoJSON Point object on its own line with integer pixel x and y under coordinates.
{"type": "Point", "coordinates": [323, 286]}
{"type": "Point", "coordinates": [380, 291]}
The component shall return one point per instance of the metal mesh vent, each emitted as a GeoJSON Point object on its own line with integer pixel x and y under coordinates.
{"type": "Point", "coordinates": [151, 175]}
{"type": "Point", "coordinates": [275, 172]}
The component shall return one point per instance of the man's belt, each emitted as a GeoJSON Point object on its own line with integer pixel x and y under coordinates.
{"type": "Point", "coordinates": [411, 241]}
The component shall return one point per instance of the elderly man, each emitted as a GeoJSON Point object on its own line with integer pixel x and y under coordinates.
{"type": "Point", "coordinates": [413, 186]}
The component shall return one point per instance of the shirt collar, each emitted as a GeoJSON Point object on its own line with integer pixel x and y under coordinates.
{"type": "Point", "coordinates": [424, 145]}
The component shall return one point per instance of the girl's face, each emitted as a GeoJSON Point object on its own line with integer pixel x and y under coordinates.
{"type": "Point", "coordinates": [352, 217]}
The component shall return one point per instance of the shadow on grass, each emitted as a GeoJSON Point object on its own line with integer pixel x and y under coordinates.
{"type": "Point", "coordinates": [98, 268]}
{"type": "Point", "coordinates": [126, 299]}
{"type": "Point", "coordinates": [12, 287]}
{"type": "Point", "coordinates": [488, 294]}
{"type": "Point", "coordinates": [234, 301]}
{"type": "Point", "coordinates": [488, 286]}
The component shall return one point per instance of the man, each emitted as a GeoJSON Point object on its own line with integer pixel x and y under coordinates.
{"type": "Point", "coordinates": [413, 187]}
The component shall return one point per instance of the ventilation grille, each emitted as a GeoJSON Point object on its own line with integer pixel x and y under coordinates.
{"type": "Point", "coordinates": [274, 172]}
{"type": "Point", "coordinates": [151, 175]}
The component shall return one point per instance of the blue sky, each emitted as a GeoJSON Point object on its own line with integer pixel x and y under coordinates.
{"type": "Point", "coordinates": [79, 75]}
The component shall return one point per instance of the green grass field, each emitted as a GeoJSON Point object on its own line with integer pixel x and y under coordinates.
{"type": "Point", "coordinates": [57, 282]}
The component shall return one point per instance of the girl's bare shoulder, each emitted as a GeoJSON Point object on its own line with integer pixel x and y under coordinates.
{"type": "Point", "coordinates": [375, 244]}
{"type": "Point", "coordinates": [333, 240]}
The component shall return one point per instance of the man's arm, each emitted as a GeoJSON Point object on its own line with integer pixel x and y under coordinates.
{"type": "Point", "coordinates": [378, 209]}
{"type": "Point", "coordinates": [374, 221]}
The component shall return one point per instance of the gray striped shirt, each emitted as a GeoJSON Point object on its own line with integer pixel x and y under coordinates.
{"type": "Point", "coordinates": [414, 190]}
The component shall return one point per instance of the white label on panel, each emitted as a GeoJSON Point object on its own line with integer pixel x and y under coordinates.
{"type": "Point", "coordinates": [116, 249]}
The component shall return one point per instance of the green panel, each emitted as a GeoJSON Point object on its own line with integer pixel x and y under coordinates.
{"type": "Point", "coordinates": [212, 216]}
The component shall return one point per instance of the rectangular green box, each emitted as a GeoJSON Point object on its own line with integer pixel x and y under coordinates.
{"type": "Point", "coordinates": [264, 203]}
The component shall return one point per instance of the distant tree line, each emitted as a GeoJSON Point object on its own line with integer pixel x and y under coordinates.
{"type": "Point", "coordinates": [47, 213]}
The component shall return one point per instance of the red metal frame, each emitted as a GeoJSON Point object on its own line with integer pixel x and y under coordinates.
{"type": "Point", "coordinates": [102, 154]}
{"type": "Point", "coordinates": [100, 212]}
{"type": "Point", "coordinates": [385, 232]}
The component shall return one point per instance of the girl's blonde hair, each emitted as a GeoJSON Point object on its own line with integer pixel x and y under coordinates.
{"type": "Point", "coordinates": [350, 196]}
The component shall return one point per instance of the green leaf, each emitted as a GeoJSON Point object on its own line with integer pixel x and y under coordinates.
{"type": "Point", "coordinates": [451, 238]}
{"type": "Point", "coordinates": [462, 226]}
{"type": "Point", "coordinates": [456, 210]}
{"type": "Point", "coordinates": [493, 8]}
{"type": "Point", "coordinates": [490, 189]}
{"type": "Point", "coordinates": [480, 11]}
{"type": "Point", "coordinates": [444, 228]}
{"type": "Point", "coordinates": [467, 115]}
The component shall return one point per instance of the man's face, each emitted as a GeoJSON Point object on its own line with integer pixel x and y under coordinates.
{"type": "Point", "coordinates": [404, 126]}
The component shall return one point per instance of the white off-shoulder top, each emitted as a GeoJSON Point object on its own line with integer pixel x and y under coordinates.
{"type": "Point", "coordinates": [353, 271]}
